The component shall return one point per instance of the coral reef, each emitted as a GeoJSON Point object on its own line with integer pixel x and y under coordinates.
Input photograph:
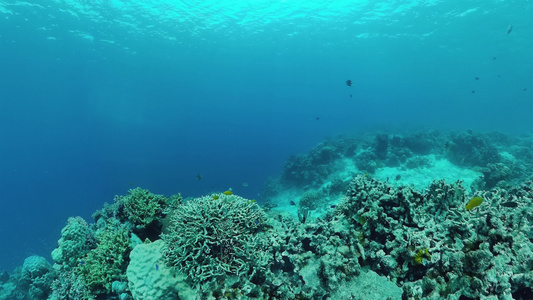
{"type": "Point", "coordinates": [470, 149]}
{"type": "Point", "coordinates": [313, 168]}
{"type": "Point", "coordinates": [385, 239]}
{"type": "Point", "coordinates": [366, 161]}
{"type": "Point", "coordinates": [420, 143]}
{"type": "Point", "coordinates": [434, 248]}
{"type": "Point", "coordinates": [300, 171]}
{"type": "Point", "coordinates": [498, 158]}
{"type": "Point", "coordinates": [91, 259]}
{"type": "Point", "coordinates": [495, 173]}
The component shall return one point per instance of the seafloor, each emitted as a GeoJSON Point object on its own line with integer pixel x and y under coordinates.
{"type": "Point", "coordinates": [373, 216]}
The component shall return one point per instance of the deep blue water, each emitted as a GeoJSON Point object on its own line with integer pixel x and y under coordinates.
{"type": "Point", "coordinates": [97, 97]}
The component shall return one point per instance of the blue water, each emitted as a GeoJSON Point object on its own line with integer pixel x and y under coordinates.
{"type": "Point", "coordinates": [100, 96]}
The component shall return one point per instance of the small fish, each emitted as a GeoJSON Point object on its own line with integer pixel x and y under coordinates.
{"type": "Point", "coordinates": [473, 92]}
{"type": "Point", "coordinates": [156, 266]}
{"type": "Point", "coordinates": [474, 202]}
{"type": "Point", "coordinates": [349, 83]}
{"type": "Point", "coordinates": [82, 262]}
{"type": "Point", "coordinates": [509, 28]}
{"type": "Point", "coordinates": [228, 192]}
{"type": "Point", "coordinates": [510, 204]}
{"type": "Point", "coordinates": [245, 184]}
{"type": "Point", "coordinates": [317, 118]}
{"type": "Point", "coordinates": [199, 176]}
{"type": "Point", "coordinates": [398, 177]}
{"type": "Point", "coordinates": [292, 203]}
{"type": "Point", "coordinates": [215, 197]}
{"type": "Point", "coordinates": [477, 78]}
{"type": "Point", "coordinates": [333, 206]}
{"type": "Point", "coordinates": [367, 175]}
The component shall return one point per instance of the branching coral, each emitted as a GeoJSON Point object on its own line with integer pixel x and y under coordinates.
{"type": "Point", "coordinates": [141, 207]}
{"type": "Point", "coordinates": [440, 248]}
{"type": "Point", "coordinates": [208, 238]}
{"type": "Point", "coordinates": [107, 262]}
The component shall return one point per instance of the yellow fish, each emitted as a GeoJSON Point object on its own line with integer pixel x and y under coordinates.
{"type": "Point", "coordinates": [215, 197]}
{"type": "Point", "coordinates": [228, 193]}
{"type": "Point", "coordinates": [476, 201]}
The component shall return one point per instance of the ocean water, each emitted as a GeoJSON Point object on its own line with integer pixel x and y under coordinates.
{"type": "Point", "coordinates": [100, 96]}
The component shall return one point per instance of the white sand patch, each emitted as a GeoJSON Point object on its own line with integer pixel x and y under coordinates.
{"type": "Point", "coordinates": [421, 178]}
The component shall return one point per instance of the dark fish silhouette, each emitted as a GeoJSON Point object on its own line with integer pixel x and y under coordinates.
{"type": "Point", "coordinates": [292, 203]}
{"type": "Point", "coordinates": [510, 204]}
{"type": "Point", "coordinates": [199, 176]}
{"type": "Point", "coordinates": [509, 29]}
{"type": "Point", "coordinates": [349, 83]}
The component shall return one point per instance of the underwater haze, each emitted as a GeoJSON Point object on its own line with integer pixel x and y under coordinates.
{"type": "Point", "coordinates": [194, 97]}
